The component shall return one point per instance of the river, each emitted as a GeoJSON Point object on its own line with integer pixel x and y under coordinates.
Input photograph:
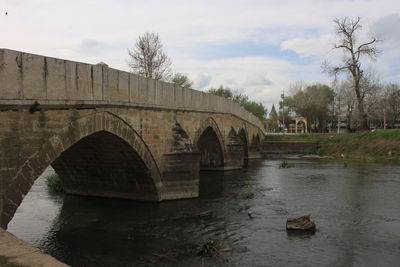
{"type": "Point", "coordinates": [356, 208]}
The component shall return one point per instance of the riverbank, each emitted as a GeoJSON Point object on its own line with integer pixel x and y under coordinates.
{"type": "Point", "coordinates": [15, 252]}
{"type": "Point", "coordinates": [376, 146]}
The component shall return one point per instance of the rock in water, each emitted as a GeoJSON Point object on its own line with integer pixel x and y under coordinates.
{"type": "Point", "coordinates": [302, 223]}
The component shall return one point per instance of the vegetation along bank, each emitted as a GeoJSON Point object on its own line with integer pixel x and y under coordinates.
{"type": "Point", "coordinates": [375, 146]}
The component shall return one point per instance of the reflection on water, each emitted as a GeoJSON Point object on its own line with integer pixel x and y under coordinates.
{"type": "Point", "coordinates": [356, 210]}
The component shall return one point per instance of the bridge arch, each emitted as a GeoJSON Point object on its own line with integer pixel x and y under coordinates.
{"type": "Point", "coordinates": [80, 141]}
{"type": "Point", "coordinates": [209, 143]}
{"type": "Point", "coordinates": [244, 138]}
{"type": "Point", "coordinates": [255, 140]}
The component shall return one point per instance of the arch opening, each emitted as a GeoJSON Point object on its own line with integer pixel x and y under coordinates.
{"type": "Point", "coordinates": [301, 127]}
{"type": "Point", "coordinates": [243, 138]}
{"type": "Point", "coordinates": [255, 140]}
{"type": "Point", "coordinates": [211, 156]}
{"type": "Point", "coordinates": [103, 164]}
{"type": "Point", "coordinates": [96, 155]}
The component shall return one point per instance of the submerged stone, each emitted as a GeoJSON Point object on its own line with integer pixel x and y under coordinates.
{"type": "Point", "coordinates": [302, 223]}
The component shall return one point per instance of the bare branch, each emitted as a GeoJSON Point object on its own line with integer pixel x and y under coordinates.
{"type": "Point", "coordinates": [347, 30]}
{"type": "Point", "coordinates": [148, 58]}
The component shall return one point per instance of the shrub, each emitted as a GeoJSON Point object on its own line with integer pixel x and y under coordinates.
{"type": "Point", "coordinates": [284, 164]}
{"type": "Point", "coordinates": [208, 248]}
{"type": "Point", "coordinates": [54, 183]}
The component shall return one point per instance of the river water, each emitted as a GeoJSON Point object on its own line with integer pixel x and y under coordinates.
{"type": "Point", "coordinates": [356, 208]}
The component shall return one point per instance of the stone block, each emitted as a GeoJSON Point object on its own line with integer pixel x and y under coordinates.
{"type": "Point", "coordinates": [84, 82]}
{"type": "Point", "coordinates": [34, 72]}
{"type": "Point", "coordinates": [97, 82]}
{"type": "Point", "coordinates": [123, 86]}
{"type": "Point", "coordinates": [152, 91]}
{"type": "Point", "coordinates": [10, 75]}
{"type": "Point", "coordinates": [178, 95]}
{"type": "Point", "coordinates": [134, 88]}
{"type": "Point", "coordinates": [159, 93]}
{"type": "Point", "coordinates": [56, 83]}
{"type": "Point", "coordinates": [142, 92]}
{"type": "Point", "coordinates": [71, 80]}
{"type": "Point", "coordinates": [169, 95]}
{"type": "Point", "coordinates": [111, 90]}
{"type": "Point", "coordinates": [187, 98]}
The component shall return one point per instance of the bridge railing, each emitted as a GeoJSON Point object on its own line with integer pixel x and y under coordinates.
{"type": "Point", "coordinates": [27, 77]}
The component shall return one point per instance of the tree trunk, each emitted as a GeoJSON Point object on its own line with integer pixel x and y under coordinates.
{"type": "Point", "coordinates": [362, 116]}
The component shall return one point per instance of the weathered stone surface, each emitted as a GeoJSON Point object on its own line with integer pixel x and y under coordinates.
{"type": "Point", "coordinates": [109, 133]}
{"type": "Point", "coordinates": [302, 223]}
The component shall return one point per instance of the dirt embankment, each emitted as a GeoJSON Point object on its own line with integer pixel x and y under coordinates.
{"type": "Point", "coordinates": [379, 145]}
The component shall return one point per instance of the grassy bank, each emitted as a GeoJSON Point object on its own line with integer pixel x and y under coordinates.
{"type": "Point", "coordinates": [380, 145]}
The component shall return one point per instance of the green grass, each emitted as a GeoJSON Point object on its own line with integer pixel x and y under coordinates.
{"type": "Point", "coordinates": [306, 137]}
{"type": "Point", "coordinates": [54, 183]}
{"type": "Point", "coordinates": [208, 248]}
{"type": "Point", "coordinates": [376, 146]}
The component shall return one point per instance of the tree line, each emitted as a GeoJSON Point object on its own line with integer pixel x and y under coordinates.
{"type": "Point", "coordinates": [148, 59]}
{"type": "Point", "coordinates": [359, 100]}
{"type": "Point", "coordinates": [328, 107]}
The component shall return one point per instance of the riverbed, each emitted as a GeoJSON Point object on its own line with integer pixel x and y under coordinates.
{"type": "Point", "coordinates": [354, 205]}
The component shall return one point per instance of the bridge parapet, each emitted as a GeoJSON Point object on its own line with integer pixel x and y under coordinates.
{"type": "Point", "coordinates": [25, 78]}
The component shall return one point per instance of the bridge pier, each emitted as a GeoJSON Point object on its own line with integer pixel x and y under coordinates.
{"type": "Point", "coordinates": [235, 154]}
{"type": "Point", "coordinates": [181, 175]}
{"type": "Point", "coordinates": [254, 151]}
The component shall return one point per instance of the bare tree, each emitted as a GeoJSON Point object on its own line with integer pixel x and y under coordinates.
{"type": "Point", "coordinates": [353, 51]}
{"type": "Point", "coordinates": [148, 58]}
{"type": "Point", "coordinates": [347, 102]}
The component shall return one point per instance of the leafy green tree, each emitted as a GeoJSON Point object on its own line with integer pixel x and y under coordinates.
{"type": "Point", "coordinates": [314, 103]}
{"type": "Point", "coordinates": [258, 109]}
{"type": "Point", "coordinates": [182, 80]}
{"type": "Point", "coordinates": [273, 122]}
{"type": "Point", "coordinates": [221, 91]}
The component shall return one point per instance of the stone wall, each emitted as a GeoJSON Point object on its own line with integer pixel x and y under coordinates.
{"type": "Point", "coordinates": [111, 133]}
{"type": "Point", "coordinates": [289, 147]}
{"type": "Point", "coordinates": [100, 151]}
{"type": "Point", "coordinates": [25, 78]}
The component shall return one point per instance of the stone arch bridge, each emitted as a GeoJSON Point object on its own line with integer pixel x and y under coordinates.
{"type": "Point", "coordinates": [111, 133]}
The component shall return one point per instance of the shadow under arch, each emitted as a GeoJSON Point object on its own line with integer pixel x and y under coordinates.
{"type": "Point", "coordinates": [256, 140]}
{"type": "Point", "coordinates": [244, 138]}
{"type": "Point", "coordinates": [209, 142]}
{"type": "Point", "coordinates": [89, 138]}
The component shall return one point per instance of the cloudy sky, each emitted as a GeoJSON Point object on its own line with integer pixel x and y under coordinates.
{"type": "Point", "coordinates": [253, 46]}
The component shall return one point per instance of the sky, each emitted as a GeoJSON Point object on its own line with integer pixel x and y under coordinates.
{"type": "Point", "coordinates": [256, 47]}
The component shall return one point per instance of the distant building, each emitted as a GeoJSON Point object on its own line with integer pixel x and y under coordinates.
{"type": "Point", "coordinates": [273, 111]}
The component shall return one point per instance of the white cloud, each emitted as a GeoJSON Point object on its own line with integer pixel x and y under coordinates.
{"type": "Point", "coordinates": [307, 47]}
{"type": "Point", "coordinates": [387, 28]}
{"type": "Point", "coordinates": [202, 80]}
